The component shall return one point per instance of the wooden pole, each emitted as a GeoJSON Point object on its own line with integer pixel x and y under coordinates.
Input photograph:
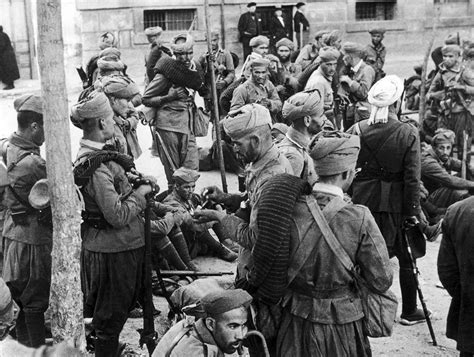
{"type": "Point", "coordinates": [222, 23]}
{"type": "Point", "coordinates": [31, 40]}
{"type": "Point", "coordinates": [216, 123]}
{"type": "Point", "coordinates": [66, 295]}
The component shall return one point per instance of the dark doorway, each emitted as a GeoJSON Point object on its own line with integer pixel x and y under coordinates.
{"type": "Point", "coordinates": [266, 13]}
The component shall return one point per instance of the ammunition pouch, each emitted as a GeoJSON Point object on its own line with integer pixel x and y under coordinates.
{"type": "Point", "coordinates": [95, 220]}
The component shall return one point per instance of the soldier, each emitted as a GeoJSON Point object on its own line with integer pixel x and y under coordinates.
{"type": "Point", "coordinates": [106, 40]}
{"type": "Point", "coordinates": [357, 84]}
{"type": "Point", "coordinates": [322, 313]}
{"type": "Point", "coordinates": [306, 114]}
{"type": "Point", "coordinates": [436, 164]}
{"type": "Point", "coordinates": [176, 110]}
{"type": "Point", "coordinates": [257, 89]}
{"type": "Point", "coordinates": [311, 51]}
{"type": "Point", "coordinates": [219, 333]}
{"type": "Point", "coordinates": [300, 25]}
{"type": "Point", "coordinates": [389, 180]}
{"type": "Point", "coordinates": [259, 45]}
{"type": "Point", "coordinates": [290, 71]}
{"type": "Point", "coordinates": [27, 232]}
{"type": "Point", "coordinates": [455, 273]}
{"type": "Point", "coordinates": [376, 52]}
{"type": "Point", "coordinates": [249, 26]}
{"type": "Point", "coordinates": [155, 51]}
{"type": "Point", "coordinates": [112, 252]}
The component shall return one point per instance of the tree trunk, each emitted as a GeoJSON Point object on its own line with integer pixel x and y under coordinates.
{"type": "Point", "coordinates": [66, 295]}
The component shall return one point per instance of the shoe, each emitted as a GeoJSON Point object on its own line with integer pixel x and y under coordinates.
{"type": "Point", "coordinates": [136, 313]}
{"type": "Point", "coordinates": [227, 255]}
{"type": "Point", "coordinates": [433, 232]}
{"type": "Point", "coordinates": [415, 318]}
{"type": "Point", "coordinates": [230, 244]}
{"type": "Point", "coordinates": [8, 87]}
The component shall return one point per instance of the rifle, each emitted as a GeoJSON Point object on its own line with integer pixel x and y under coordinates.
{"type": "Point", "coordinates": [464, 154]}
{"type": "Point", "coordinates": [167, 273]}
{"type": "Point", "coordinates": [416, 272]}
{"type": "Point", "coordinates": [83, 76]}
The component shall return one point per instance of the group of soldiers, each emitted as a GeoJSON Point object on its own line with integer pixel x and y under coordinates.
{"type": "Point", "coordinates": [323, 157]}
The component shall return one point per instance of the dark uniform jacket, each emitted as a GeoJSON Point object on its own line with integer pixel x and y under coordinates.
{"type": "Point", "coordinates": [298, 19]}
{"type": "Point", "coordinates": [375, 57]}
{"type": "Point", "coordinates": [8, 64]}
{"type": "Point", "coordinates": [456, 268]}
{"type": "Point", "coordinates": [278, 31]}
{"type": "Point", "coordinates": [249, 25]}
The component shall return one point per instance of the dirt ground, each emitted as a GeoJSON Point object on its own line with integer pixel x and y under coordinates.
{"type": "Point", "coordinates": [405, 341]}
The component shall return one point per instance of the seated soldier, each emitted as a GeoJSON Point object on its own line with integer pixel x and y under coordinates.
{"type": "Point", "coordinates": [436, 163]}
{"type": "Point", "coordinates": [198, 238]}
{"type": "Point", "coordinates": [219, 333]}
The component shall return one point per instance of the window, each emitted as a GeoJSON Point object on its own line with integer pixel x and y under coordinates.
{"type": "Point", "coordinates": [375, 11]}
{"type": "Point", "coordinates": [449, 1]}
{"type": "Point", "coordinates": [169, 20]}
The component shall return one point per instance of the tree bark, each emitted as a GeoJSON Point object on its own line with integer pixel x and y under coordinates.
{"type": "Point", "coordinates": [66, 294]}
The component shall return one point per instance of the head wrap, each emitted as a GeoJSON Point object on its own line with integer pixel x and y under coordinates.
{"type": "Point", "coordinates": [259, 40]}
{"type": "Point", "coordinates": [95, 106]}
{"type": "Point", "coordinates": [111, 53]}
{"type": "Point", "coordinates": [272, 58]}
{"type": "Point", "coordinates": [29, 102]}
{"type": "Point", "coordinates": [184, 175]}
{"type": "Point", "coordinates": [320, 34]}
{"type": "Point", "coordinates": [244, 120]}
{"type": "Point", "coordinates": [250, 4]}
{"type": "Point", "coordinates": [107, 39]}
{"type": "Point", "coordinates": [282, 128]}
{"type": "Point", "coordinates": [452, 39]}
{"type": "Point", "coordinates": [384, 93]}
{"type": "Point", "coordinates": [352, 47]}
{"type": "Point", "coordinates": [220, 301]}
{"type": "Point", "coordinates": [331, 37]}
{"type": "Point", "coordinates": [285, 42]}
{"type": "Point", "coordinates": [303, 104]}
{"type": "Point", "coordinates": [328, 54]}
{"type": "Point", "coordinates": [377, 30]}
{"type": "Point", "coordinates": [443, 136]}
{"type": "Point", "coordinates": [182, 47]}
{"type": "Point", "coordinates": [118, 86]}
{"type": "Point", "coordinates": [334, 152]}
{"type": "Point", "coordinates": [259, 62]}
{"type": "Point", "coordinates": [469, 53]}
{"type": "Point", "coordinates": [153, 31]}
{"type": "Point", "coordinates": [455, 49]}
{"type": "Point", "coordinates": [110, 63]}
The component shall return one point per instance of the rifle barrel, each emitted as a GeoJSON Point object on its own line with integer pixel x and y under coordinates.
{"type": "Point", "coordinates": [194, 273]}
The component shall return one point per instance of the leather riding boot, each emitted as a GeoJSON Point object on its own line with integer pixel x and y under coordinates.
{"type": "Point", "coordinates": [408, 289]}
{"type": "Point", "coordinates": [21, 330]}
{"type": "Point", "coordinates": [36, 330]}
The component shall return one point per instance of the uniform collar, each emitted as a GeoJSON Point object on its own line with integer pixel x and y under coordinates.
{"type": "Point", "coordinates": [255, 167]}
{"type": "Point", "coordinates": [23, 143]}
{"type": "Point", "coordinates": [89, 144]}
{"type": "Point", "coordinates": [205, 336]}
{"type": "Point", "coordinates": [297, 138]}
{"type": "Point", "coordinates": [329, 189]}
{"type": "Point", "coordinates": [456, 68]}
{"type": "Point", "coordinates": [356, 68]}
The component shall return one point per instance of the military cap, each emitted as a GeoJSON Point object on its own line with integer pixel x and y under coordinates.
{"type": "Point", "coordinates": [282, 128]}
{"type": "Point", "coordinates": [259, 62]}
{"type": "Point", "coordinates": [185, 175]}
{"type": "Point", "coordinates": [250, 4]}
{"type": "Point", "coordinates": [320, 34]}
{"type": "Point", "coordinates": [452, 39]}
{"type": "Point", "coordinates": [110, 52]}
{"type": "Point", "coordinates": [259, 40]}
{"type": "Point", "coordinates": [246, 119]}
{"type": "Point", "coordinates": [286, 43]}
{"type": "Point", "coordinates": [334, 152]}
{"type": "Point", "coordinates": [153, 31]}
{"type": "Point", "coordinates": [220, 301]}
{"type": "Point", "coordinates": [451, 49]}
{"type": "Point", "coordinates": [95, 106]}
{"type": "Point", "coordinates": [118, 86]}
{"type": "Point", "coordinates": [443, 136]}
{"type": "Point", "coordinates": [186, 46]}
{"type": "Point", "coordinates": [328, 53]}
{"type": "Point", "coordinates": [303, 104]}
{"type": "Point", "coordinates": [30, 103]}
{"type": "Point", "coordinates": [377, 30]}
{"type": "Point", "coordinates": [331, 37]}
{"type": "Point", "coordinates": [352, 47]}
{"type": "Point", "coordinates": [107, 39]}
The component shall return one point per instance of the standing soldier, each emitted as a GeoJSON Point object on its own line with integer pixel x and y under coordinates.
{"type": "Point", "coordinates": [155, 51]}
{"type": "Point", "coordinates": [376, 52]}
{"type": "Point", "coordinates": [289, 71]}
{"type": "Point", "coordinates": [357, 84]}
{"type": "Point", "coordinates": [27, 232]}
{"type": "Point", "coordinates": [389, 180]}
{"type": "Point", "coordinates": [112, 252]}
{"type": "Point", "coordinates": [300, 25]}
{"type": "Point", "coordinates": [249, 26]}
{"type": "Point", "coordinates": [172, 93]}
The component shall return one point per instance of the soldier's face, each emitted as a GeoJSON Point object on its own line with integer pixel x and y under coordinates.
{"type": "Point", "coordinates": [152, 39]}
{"type": "Point", "coordinates": [185, 190]}
{"type": "Point", "coordinates": [278, 13]}
{"type": "Point", "coordinates": [120, 106]}
{"type": "Point", "coordinates": [283, 53]}
{"type": "Point", "coordinates": [450, 59]}
{"type": "Point", "coordinates": [329, 68]}
{"type": "Point", "coordinates": [348, 60]}
{"type": "Point", "coordinates": [259, 75]}
{"type": "Point", "coordinates": [252, 9]}
{"type": "Point", "coordinates": [377, 38]}
{"type": "Point", "coordinates": [215, 43]}
{"type": "Point", "coordinates": [314, 123]}
{"type": "Point", "coordinates": [107, 128]}
{"type": "Point", "coordinates": [443, 151]}
{"type": "Point", "coordinates": [246, 148]}
{"type": "Point", "coordinates": [229, 329]}
{"type": "Point", "coordinates": [185, 57]}
{"type": "Point", "coordinates": [337, 43]}
{"type": "Point", "coordinates": [261, 50]}
{"type": "Point", "coordinates": [37, 130]}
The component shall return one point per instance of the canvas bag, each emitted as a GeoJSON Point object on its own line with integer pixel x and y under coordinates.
{"type": "Point", "coordinates": [380, 309]}
{"type": "Point", "coordinates": [201, 122]}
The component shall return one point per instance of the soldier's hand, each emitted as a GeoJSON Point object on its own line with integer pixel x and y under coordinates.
{"type": "Point", "coordinates": [345, 79]}
{"type": "Point", "coordinates": [220, 85]}
{"type": "Point", "coordinates": [143, 190]}
{"type": "Point", "coordinates": [178, 93]}
{"type": "Point", "coordinates": [213, 193]}
{"type": "Point", "coordinates": [209, 215]}
{"type": "Point", "coordinates": [178, 218]}
{"type": "Point", "coordinates": [459, 87]}
{"type": "Point", "coordinates": [265, 102]}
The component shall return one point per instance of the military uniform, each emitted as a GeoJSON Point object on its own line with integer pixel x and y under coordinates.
{"type": "Point", "coordinates": [319, 81]}
{"type": "Point", "coordinates": [249, 26]}
{"type": "Point", "coordinates": [306, 56]}
{"type": "Point", "coordinates": [375, 57]}
{"type": "Point", "coordinates": [125, 135]}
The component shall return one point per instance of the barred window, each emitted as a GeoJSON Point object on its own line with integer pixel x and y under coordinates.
{"type": "Point", "coordinates": [169, 20]}
{"type": "Point", "coordinates": [449, 1]}
{"type": "Point", "coordinates": [375, 11]}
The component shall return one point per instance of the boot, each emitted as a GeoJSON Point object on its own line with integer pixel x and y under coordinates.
{"type": "Point", "coordinates": [21, 330]}
{"type": "Point", "coordinates": [106, 348]}
{"type": "Point", "coordinates": [408, 289]}
{"type": "Point", "coordinates": [224, 237]}
{"type": "Point", "coordinates": [217, 248]}
{"type": "Point", "coordinates": [36, 331]}
{"type": "Point", "coordinates": [177, 238]}
{"type": "Point", "coordinates": [171, 255]}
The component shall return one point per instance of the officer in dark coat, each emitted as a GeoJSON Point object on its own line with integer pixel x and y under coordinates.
{"type": "Point", "coordinates": [8, 65]}
{"type": "Point", "coordinates": [249, 26]}
{"type": "Point", "coordinates": [280, 27]}
{"type": "Point", "coordinates": [300, 24]}
{"type": "Point", "coordinates": [455, 270]}
{"type": "Point", "coordinates": [389, 180]}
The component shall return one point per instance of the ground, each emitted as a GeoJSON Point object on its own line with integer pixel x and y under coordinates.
{"type": "Point", "coordinates": [405, 341]}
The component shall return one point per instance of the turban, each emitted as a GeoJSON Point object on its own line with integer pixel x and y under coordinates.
{"type": "Point", "coordinates": [250, 4]}
{"type": "Point", "coordinates": [334, 152]}
{"type": "Point", "coordinates": [244, 120]}
{"type": "Point", "coordinates": [303, 104]}
{"type": "Point", "coordinates": [259, 40]}
{"type": "Point", "coordinates": [378, 30]}
{"type": "Point", "coordinates": [272, 58]}
{"type": "Point", "coordinates": [153, 31]}
{"type": "Point", "coordinates": [352, 47]}
{"type": "Point", "coordinates": [383, 93]}
{"type": "Point", "coordinates": [110, 64]}
{"type": "Point", "coordinates": [182, 47]}
{"type": "Point", "coordinates": [220, 301]}
{"type": "Point", "coordinates": [30, 103]}
{"type": "Point", "coordinates": [327, 54]}
{"type": "Point", "coordinates": [184, 175]}
{"type": "Point", "coordinates": [107, 39]}
{"type": "Point", "coordinates": [110, 52]}
{"type": "Point", "coordinates": [118, 86]}
{"type": "Point", "coordinates": [443, 136]}
{"type": "Point", "coordinates": [282, 128]}
{"type": "Point", "coordinates": [259, 62]}
{"type": "Point", "coordinates": [452, 39]}
{"type": "Point", "coordinates": [320, 34]}
{"type": "Point", "coordinates": [286, 43]}
{"type": "Point", "coordinates": [95, 106]}
{"type": "Point", "coordinates": [455, 49]}
{"type": "Point", "coordinates": [331, 37]}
